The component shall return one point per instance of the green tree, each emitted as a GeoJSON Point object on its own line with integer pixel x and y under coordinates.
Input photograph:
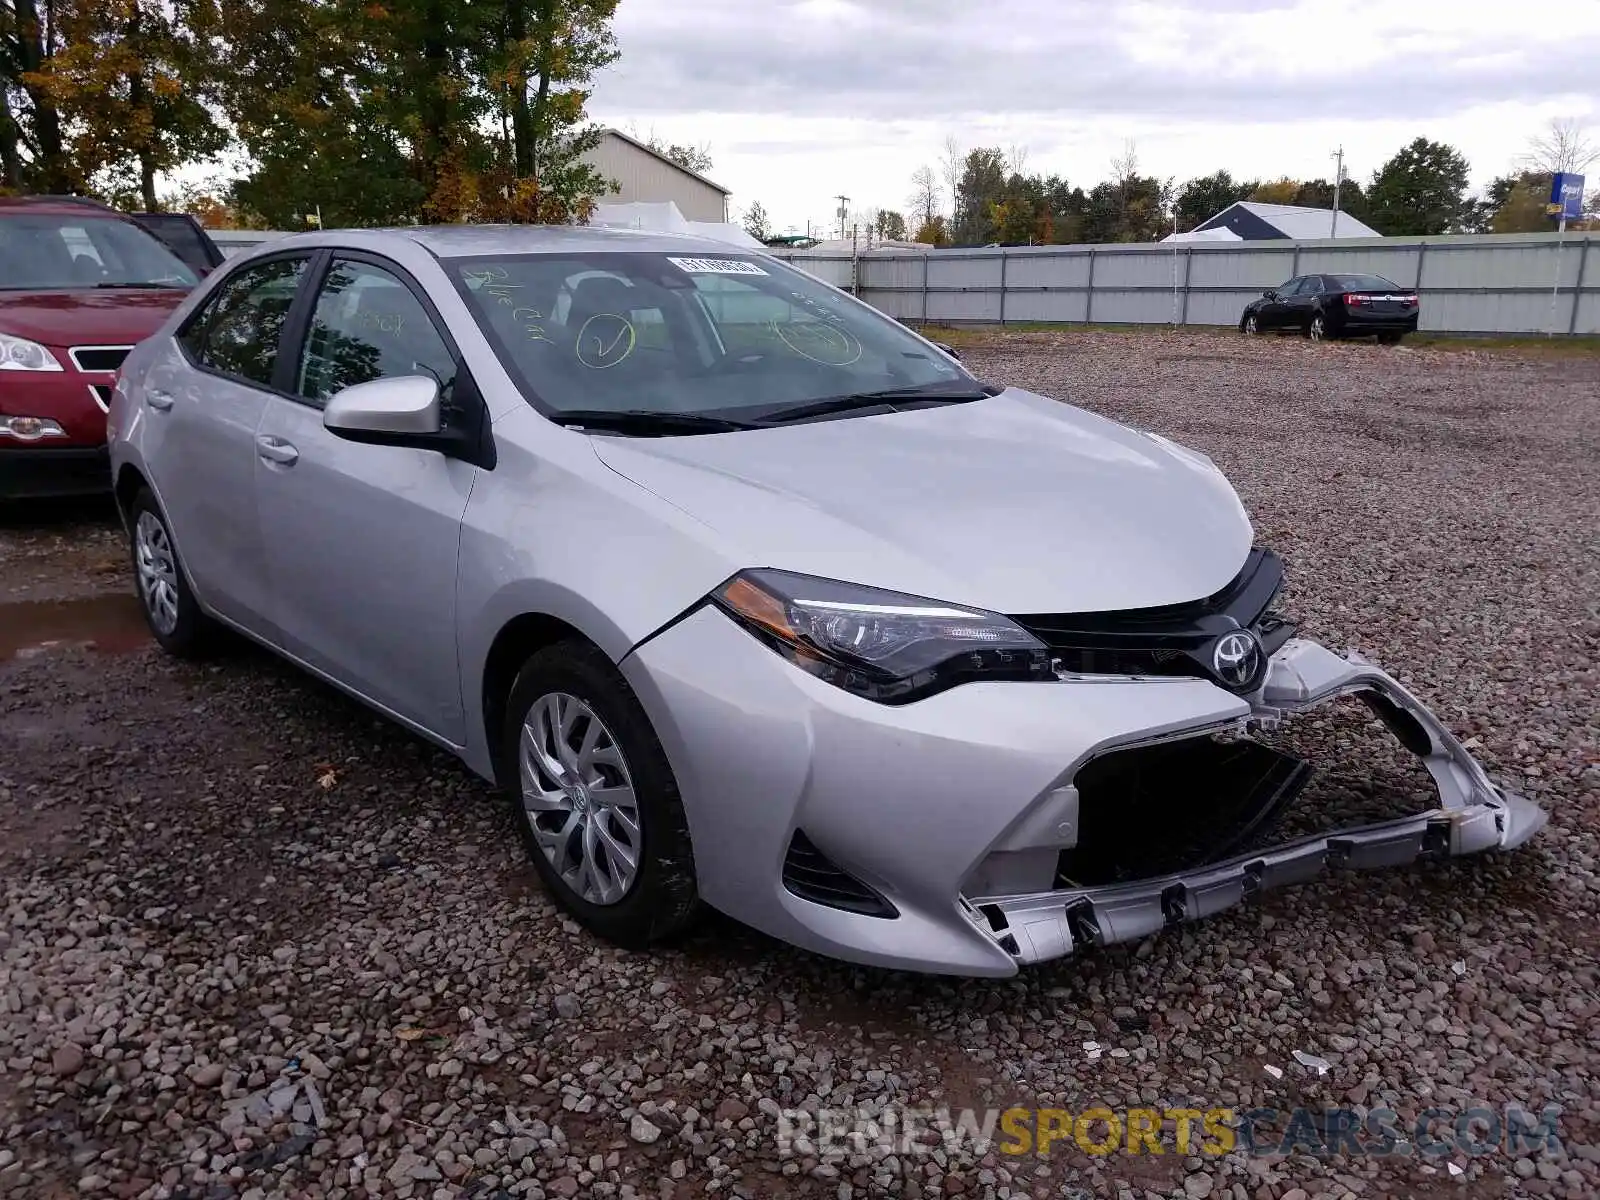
{"type": "Point", "coordinates": [1513, 204]}
{"type": "Point", "coordinates": [756, 223]}
{"type": "Point", "coordinates": [322, 131]}
{"type": "Point", "coordinates": [1318, 193]}
{"type": "Point", "coordinates": [1421, 190]}
{"type": "Point", "coordinates": [980, 186]}
{"type": "Point", "coordinates": [547, 52]}
{"type": "Point", "coordinates": [128, 82]}
{"type": "Point", "coordinates": [33, 149]}
{"type": "Point", "coordinates": [891, 225]}
{"type": "Point", "coordinates": [1203, 198]}
{"type": "Point", "coordinates": [1276, 191]}
{"type": "Point", "coordinates": [933, 231]}
{"type": "Point", "coordinates": [440, 110]}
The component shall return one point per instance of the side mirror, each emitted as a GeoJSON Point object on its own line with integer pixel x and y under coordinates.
{"type": "Point", "coordinates": [402, 410]}
{"type": "Point", "coordinates": [950, 350]}
{"type": "Point", "coordinates": [1270, 294]}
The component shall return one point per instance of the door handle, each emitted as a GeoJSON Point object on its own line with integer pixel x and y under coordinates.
{"type": "Point", "coordinates": [276, 450]}
{"type": "Point", "coordinates": [158, 400]}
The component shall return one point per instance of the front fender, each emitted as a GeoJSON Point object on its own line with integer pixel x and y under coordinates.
{"type": "Point", "coordinates": [552, 531]}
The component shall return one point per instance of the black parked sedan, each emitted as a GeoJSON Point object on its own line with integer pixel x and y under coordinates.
{"type": "Point", "coordinates": [1329, 306]}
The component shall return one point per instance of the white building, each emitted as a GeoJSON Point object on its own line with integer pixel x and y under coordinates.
{"type": "Point", "coordinates": [1251, 221]}
{"type": "Point", "coordinates": [643, 175]}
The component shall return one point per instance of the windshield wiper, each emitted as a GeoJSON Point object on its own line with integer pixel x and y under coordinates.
{"type": "Point", "coordinates": [645, 423]}
{"type": "Point", "coordinates": [838, 404]}
{"type": "Point", "coordinates": [134, 283]}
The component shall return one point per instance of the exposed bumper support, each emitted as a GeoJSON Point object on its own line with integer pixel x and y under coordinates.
{"type": "Point", "coordinates": [1474, 815]}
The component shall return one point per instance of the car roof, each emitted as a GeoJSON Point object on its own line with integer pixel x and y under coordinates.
{"type": "Point", "coordinates": [61, 206]}
{"type": "Point", "coordinates": [464, 241]}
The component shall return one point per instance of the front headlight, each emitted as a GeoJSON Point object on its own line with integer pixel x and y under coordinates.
{"type": "Point", "coordinates": [882, 645]}
{"type": "Point", "coordinates": [19, 354]}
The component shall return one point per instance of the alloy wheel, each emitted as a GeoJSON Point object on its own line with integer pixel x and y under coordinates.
{"type": "Point", "coordinates": [1250, 324]}
{"type": "Point", "coordinates": [1317, 329]}
{"type": "Point", "coordinates": [578, 794]}
{"type": "Point", "coordinates": [158, 572]}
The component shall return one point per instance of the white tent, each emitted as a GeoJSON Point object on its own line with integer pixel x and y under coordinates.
{"type": "Point", "coordinates": [664, 217]}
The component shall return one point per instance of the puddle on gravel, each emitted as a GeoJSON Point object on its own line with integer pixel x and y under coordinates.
{"type": "Point", "coordinates": [109, 623]}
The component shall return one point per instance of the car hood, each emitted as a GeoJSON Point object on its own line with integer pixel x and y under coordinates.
{"type": "Point", "coordinates": [110, 317]}
{"type": "Point", "coordinates": [1016, 503]}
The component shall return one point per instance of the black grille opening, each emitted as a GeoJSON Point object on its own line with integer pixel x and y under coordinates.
{"type": "Point", "coordinates": [1155, 810]}
{"type": "Point", "coordinates": [99, 358]}
{"type": "Point", "coordinates": [811, 875]}
{"type": "Point", "coordinates": [1170, 640]}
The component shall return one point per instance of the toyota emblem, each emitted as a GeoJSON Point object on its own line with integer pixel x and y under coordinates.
{"type": "Point", "coordinates": [1236, 658]}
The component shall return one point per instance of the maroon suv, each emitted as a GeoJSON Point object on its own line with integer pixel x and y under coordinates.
{"type": "Point", "coordinates": [80, 284]}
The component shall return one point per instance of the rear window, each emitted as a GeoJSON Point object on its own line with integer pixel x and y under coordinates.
{"type": "Point", "coordinates": [51, 251]}
{"type": "Point", "coordinates": [184, 237]}
{"type": "Point", "coordinates": [1364, 283]}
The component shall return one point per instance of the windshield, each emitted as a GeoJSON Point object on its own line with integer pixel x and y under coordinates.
{"type": "Point", "coordinates": [670, 333]}
{"type": "Point", "coordinates": [1363, 283]}
{"type": "Point", "coordinates": [43, 251]}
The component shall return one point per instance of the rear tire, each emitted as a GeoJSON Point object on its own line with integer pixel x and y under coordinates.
{"type": "Point", "coordinates": [170, 609]}
{"type": "Point", "coordinates": [594, 798]}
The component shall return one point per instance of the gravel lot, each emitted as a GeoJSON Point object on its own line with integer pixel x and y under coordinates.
{"type": "Point", "coordinates": [257, 942]}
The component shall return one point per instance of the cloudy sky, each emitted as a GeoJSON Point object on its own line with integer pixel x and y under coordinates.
{"type": "Point", "coordinates": [800, 100]}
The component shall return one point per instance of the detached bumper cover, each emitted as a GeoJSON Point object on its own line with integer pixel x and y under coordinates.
{"type": "Point", "coordinates": [1474, 815]}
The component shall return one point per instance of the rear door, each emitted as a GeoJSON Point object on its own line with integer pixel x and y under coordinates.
{"type": "Point", "coordinates": [203, 398]}
{"type": "Point", "coordinates": [362, 540]}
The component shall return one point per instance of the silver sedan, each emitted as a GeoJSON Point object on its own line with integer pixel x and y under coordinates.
{"type": "Point", "coordinates": [747, 595]}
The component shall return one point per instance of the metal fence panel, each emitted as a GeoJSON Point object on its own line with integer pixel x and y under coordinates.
{"type": "Point", "coordinates": [1469, 284]}
{"type": "Point", "coordinates": [1029, 270]}
{"type": "Point", "coordinates": [1212, 266]}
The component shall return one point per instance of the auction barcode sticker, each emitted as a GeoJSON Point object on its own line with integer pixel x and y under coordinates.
{"type": "Point", "coordinates": [715, 266]}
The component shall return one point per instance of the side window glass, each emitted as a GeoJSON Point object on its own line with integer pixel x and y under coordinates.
{"type": "Point", "coordinates": [238, 331]}
{"type": "Point", "coordinates": [368, 325]}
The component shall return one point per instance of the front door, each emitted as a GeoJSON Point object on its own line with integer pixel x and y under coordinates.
{"type": "Point", "coordinates": [1303, 304]}
{"type": "Point", "coordinates": [362, 540]}
{"type": "Point", "coordinates": [204, 397]}
{"type": "Point", "coordinates": [1271, 313]}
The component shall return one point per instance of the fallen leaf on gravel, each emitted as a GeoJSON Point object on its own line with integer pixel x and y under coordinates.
{"type": "Point", "coordinates": [410, 1033]}
{"type": "Point", "coordinates": [327, 776]}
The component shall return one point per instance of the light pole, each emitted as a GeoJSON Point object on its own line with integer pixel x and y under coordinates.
{"type": "Point", "coordinates": [1338, 179]}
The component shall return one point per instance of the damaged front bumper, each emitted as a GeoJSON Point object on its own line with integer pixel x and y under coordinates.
{"type": "Point", "coordinates": [931, 836]}
{"type": "Point", "coordinates": [1473, 815]}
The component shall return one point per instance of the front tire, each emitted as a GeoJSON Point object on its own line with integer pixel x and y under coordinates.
{"type": "Point", "coordinates": [1248, 326]}
{"type": "Point", "coordinates": [1317, 330]}
{"type": "Point", "coordinates": [170, 609]}
{"type": "Point", "coordinates": [594, 798]}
